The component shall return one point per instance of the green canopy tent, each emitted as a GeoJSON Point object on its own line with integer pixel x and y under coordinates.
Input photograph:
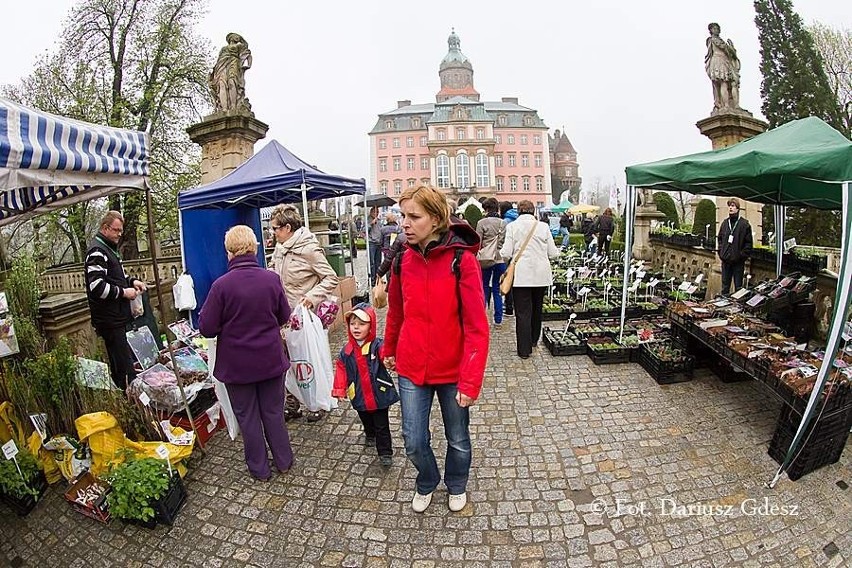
{"type": "Point", "coordinates": [804, 163]}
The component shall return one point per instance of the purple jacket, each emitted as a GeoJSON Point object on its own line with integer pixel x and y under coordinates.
{"type": "Point", "coordinates": [245, 309]}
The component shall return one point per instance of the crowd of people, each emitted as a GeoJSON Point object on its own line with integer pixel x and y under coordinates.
{"type": "Point", "coordinates": [442, 278]}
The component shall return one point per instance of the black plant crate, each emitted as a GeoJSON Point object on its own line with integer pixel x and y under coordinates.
{"type": "Point", "coordinates": [166, 507]}
{"type": "Point", "coordinates": [553, 338]}
{"type": "Point", "coordinates": [725, 371]}
{"type": "Point", "coordinates": [23, 505]}
{"type": "Point", "coordinates": [666, 372]}
{"type": "Point", "coordinates": [822, 443]}
{"type": "Point", "coordinates": [607, 356]}
{"type": "Point", "coordinates": [554, 316]}
{"type": "Point", "coordinates": [202, 401]}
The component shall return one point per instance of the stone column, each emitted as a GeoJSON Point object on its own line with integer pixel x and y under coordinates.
{"type": "Point", "coordinates": [726, 129]}
{"type": "Point", "coordinates": [227, 140]}
{"type": "Point", "coordinates": [645, 213]}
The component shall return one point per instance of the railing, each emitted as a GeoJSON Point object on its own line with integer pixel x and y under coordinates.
{"type": "Point", "coordinates": [72, 279]}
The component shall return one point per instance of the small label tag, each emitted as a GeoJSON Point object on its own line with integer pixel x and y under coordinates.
{"type": "Point", "coordinates": [10, 450]}
{"type": "Point", "coordinates": [583, 291]}
{"type": "Point", "coordinates": [684, 286]}
{"type": "Point", "coordinates": [699, 278]}
{"type": "Point", "coordinates": [144, 399]}
{"type": "Point", "coordinates": [640, 274]}
{"type": "Point", "coordinates": [162, 452]}
{"type": "Point", "coordinates": [730, 238]}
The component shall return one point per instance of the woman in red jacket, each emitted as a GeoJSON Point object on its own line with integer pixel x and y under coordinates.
{"type": "Point", "coordinates": [436, 338]}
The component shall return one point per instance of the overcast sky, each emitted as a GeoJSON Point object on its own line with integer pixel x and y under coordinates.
{"type": "Point", "coordinates": [624, 79]}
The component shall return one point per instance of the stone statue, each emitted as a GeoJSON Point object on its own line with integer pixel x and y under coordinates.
{"type": "Point", "coordinates": [723, 68]}
{"type": "Point", "coordinates": [227, 81]}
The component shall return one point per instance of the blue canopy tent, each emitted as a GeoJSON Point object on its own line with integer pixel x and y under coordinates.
{"type": "Point", "coordinates": [272, 176]}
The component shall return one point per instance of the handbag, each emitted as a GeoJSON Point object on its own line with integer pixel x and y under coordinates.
{"type": "Point", "coordinates": [507, 279]}
{"type": "Point", "coordinates": [380, 295]}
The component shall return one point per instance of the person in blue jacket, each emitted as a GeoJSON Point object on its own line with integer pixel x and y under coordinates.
{"type": "Point", "coordinates": [361, 376]}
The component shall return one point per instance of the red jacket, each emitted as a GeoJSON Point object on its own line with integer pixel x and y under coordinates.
{"type": "Point", "coordinates": [423, 328]}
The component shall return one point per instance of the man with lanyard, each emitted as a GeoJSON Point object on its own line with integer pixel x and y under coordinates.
{"type": "Point", "coordinates": [109, 291]}
{"type": "Point", "coordinates": [734, 245]}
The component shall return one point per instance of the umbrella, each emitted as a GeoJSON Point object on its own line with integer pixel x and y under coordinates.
{"type": "Point", "coordinates": [377, 200]}
{"type": "Point", "coordinates": [564, 205]}
{"type": "Point", "coordinates": [581, 208]}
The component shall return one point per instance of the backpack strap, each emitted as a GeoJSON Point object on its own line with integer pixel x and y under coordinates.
{"type": "Point", "coordinates": [455, 267]}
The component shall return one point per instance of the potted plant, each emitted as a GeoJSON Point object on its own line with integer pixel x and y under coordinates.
{"type": "Point", "coordinates": [21, 491]}
{"type": "Point", "coordinates": [143, 492]}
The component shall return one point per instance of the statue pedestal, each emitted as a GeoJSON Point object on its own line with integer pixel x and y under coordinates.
{"type": "Point", "coordinates": [642, 248]}
{"type": "Point", "coordinates": [227, 140]}
{"type": "Point", "coordinates": [727, 129]}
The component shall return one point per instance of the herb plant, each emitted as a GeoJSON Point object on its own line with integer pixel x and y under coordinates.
{"type": "Point", "coordinates": [136, 485]}
{"type": "Point", "coordinates": [11, 482]}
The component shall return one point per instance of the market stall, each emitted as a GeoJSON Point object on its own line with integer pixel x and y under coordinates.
{"type": "Point", "coordinates": [272, 176]}
{"type": "Point", "coordinates": [49, 162]}
{"type": "Point", "coordinates": [804, 163]}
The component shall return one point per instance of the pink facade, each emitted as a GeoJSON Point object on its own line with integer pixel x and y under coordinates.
{"type": "Point", "coordinates": [460, 144]}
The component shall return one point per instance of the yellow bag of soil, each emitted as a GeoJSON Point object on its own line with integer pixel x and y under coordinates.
{"type": "Point", "coordinates": [108, 443]}
{"type": "Point", "coordinates": [10, 426]}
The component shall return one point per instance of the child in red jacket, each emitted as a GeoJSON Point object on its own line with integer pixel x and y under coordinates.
{"type": "Point", "coordinates": [361, 376]}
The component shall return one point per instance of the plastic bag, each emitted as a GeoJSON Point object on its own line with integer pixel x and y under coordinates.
{"type": "Point", "coordinates": [380, 295]}
{"type": "Point", "coordinates": [137, 308]}
{"type": "Point", "coordinates": [311, 374]}
{"type": "Point", "coordinates": [222, 393]}
{"type": "Point", "coordinates": [327, 311]}
{"type": "Point", "coordinates": [184, 293]}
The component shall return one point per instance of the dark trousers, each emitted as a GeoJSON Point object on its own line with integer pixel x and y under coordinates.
{"type": "Point", "coordinates": [604, 244]}
{"type": "Point", "coordinates": [528, 305]}
{"type": "Point", "coordinates": [509, 303]}
{"type": "Point", "coordinates": [377, 425]}
{"type": "Point", "coordinates": [260, 414]}
{"type": "Point", "coordinates": [733, 271]}
{"type": "Point", "coordinates": [119, 354]}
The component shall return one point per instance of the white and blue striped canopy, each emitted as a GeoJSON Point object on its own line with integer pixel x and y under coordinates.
{"type": "Point", "coordinates": [48, 162]}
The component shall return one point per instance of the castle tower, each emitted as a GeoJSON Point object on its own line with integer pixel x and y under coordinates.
{"type": "Point", "coordinates": [456, 73]}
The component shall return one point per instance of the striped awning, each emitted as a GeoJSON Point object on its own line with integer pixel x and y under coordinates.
{"type": "Point", "coordinates": [48, 162]}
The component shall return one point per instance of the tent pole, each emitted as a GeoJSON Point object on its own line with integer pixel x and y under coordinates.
{"type": "Point", "coordinates": [305, 205]}
{"type": "Point", "coordinates": [367, 248]}
{"type": "Point", "coordinates": [833, 337]}
{"type": "Point", "coordinates": [629, 213]}
{"type": "Point", "coordinates": [149, 204]}
{"type": "Point", "coordinates": [780, 221]}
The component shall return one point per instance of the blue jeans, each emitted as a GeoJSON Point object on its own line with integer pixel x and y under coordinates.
{"type": "Point", "coordinates": [565, 237]}
{"type": "Point", "coordinates": [491, 287]}
{"type": "Point", "coordinates": [416, 405]}
{"type": "Point", "coordinates": [375, 252]}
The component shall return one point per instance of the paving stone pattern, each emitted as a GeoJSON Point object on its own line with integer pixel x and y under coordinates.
{"type": "Point", "coordinates": [574, 465]}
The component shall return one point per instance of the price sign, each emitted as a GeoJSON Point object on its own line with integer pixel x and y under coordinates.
{"type": "Point", "coordinates": [162, 452]}
{"type": "Point", "coordinates": [640, 274]}
{"type": "Point", "coordinates": [635, 286]}
{"type": "Point", "coordinates": [684, 286]}
{"type": "Point", "coordinates": [691, 289]}
{"type": "Point", "coordinates": [144, 399]}
{"type": "Point", "coordinates": [699, 278]}
{"type": "Point", "coordinates": [583, 291]}
{"type": "Point", "coordinates": [633, 269]}
{"type": "Point", "coordinates": [570, 273]}
{"type": "Point", "coordinates": [10, 450]}
{"type": "Point", "coordinates": [653, 283]}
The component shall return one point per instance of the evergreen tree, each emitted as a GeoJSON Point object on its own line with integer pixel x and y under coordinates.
{"type": "Point", "coordinates": [705, 214]}
{"type": "Point", "coordinates": [666, 205]}
{"type": "Point", "coordinates": [795, 85]}
{"type": "Point", "coordinates": [472, 215]}
{"type": "Point", "coordinates": [794, 81]}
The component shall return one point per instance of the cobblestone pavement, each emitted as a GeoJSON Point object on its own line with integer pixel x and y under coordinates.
{"type": "Point", "coordinates": [574, 465]}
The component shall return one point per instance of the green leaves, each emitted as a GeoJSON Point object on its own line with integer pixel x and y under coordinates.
{"type": "Point", "coordinates": [136, 485]}
{"type": "Point", "coordinates": [11, 482]}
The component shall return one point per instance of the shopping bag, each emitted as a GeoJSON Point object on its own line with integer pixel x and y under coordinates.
{"type": "Point", "coordinates": [184, 293]}
{"type": "Point", "coordinates": [380, 295]}
{"type": "Point", "coordinates": [222, 393]}
{"type": "Point", "coordinates": [507, 279]}
{"type": "Point", "coordinates": [311, 373]}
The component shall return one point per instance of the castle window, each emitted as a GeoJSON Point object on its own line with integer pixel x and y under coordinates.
{"type": "Point", "coordinates": [511, 139]}
{"type": "Point", "coordinates": [480, 133]}
{"type": "Point", "coordinates": [511, 160]}
{"type": "Point", "coordinates": [513, 183]}
{"type": "Point", "coordinates": [424, 141]}
{"type": "Point", "coordinates": [443, 170]}
{"type": "Point", "coordinates": [498, 160]}
{"type": "Point", "coordinates": [383, 187]}
{"type": "Point", "coordinates": [424, 162]}
{"type": "Point", "coordinates": [537, 140]}
{"type": "Point", "coordinates": [525, 160]}
{"type": "Point", "coordinates": [409, 142]}
{"type": "Point", "coordinates": [396, 142]}
{"type": "Point", "coordinates": [526, 183]}
{"type": "Point", "coordinates": [538, 160]}
{"type": "Point", "coordinates": [388, 124]}
{"type": "Point", "coordinates": [442, 134]}
{"type": "Point", "coordinates": [397, 187]}
{"type": "Point", "coordinates": [415, 123]}
{"type": "Point", "coordinates": [397, 164]}
{"type": "Point", "coordinates": [383, 164]}
{"type": "Point", "coordinates": [499, 183]}
{"type": "Point", "coordinates": [502, 120]}
{"type": "Point", "coordinates": [528, 120]}
{"type": "Point", "coordinates": [524, 139]}
{"type": "Point", "coordinates": [539, 183]}
{"type": "Point", "coordinates": [460, 133]}
{"type": "Point", "coordinates": [462, 171]}
{"type": "Point", "coordinates": [382, 143]}
{"type": "Point", "coordinates": [482, 177]}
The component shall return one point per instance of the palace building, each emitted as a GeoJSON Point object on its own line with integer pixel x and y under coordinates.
{"type": "Point", "coordinates": [467, 147]}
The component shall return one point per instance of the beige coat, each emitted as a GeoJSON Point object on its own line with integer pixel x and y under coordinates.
{"type": "Point", "coordinates": [304, 271]}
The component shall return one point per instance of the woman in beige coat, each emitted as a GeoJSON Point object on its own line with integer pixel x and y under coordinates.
{"type": "Point", "coordinates": [306, 275]}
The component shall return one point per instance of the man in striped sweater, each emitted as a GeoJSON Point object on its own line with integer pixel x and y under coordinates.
{"type": "Point", "coordinates": [110, 291]}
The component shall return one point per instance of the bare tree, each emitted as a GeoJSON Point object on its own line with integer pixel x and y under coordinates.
{"type": "Point", "coordinates": [835, 47]}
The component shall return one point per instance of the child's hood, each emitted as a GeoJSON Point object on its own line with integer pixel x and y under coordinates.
{"type": "Point", "coordinates": [368, 310]}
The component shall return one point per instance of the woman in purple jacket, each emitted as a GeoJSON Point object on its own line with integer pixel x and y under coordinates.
{"type": "Point", "coordinates": [245, 309]}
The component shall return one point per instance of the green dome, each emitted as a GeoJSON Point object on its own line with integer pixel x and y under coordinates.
{"type": "Point", "coordinates": [454, 57]}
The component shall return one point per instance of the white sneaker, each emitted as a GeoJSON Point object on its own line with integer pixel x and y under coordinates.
{"type": "Point", "coordinates": [457, 502]}
{"type": "Point", "coordinates": [421, 502]}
